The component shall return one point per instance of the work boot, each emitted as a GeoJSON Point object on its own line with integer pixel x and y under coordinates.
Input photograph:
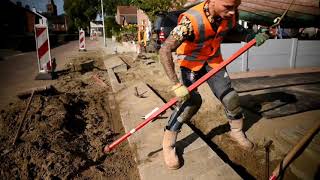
{"type": "Point", "coordinates": [238, 135]}
{"type": "Point", "coordinates": [169, 151]}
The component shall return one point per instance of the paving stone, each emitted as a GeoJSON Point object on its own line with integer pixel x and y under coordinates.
{"type": "Point", "coordinates": [116, 64]}
{"type": "Point", "coordinates": [115, 84]}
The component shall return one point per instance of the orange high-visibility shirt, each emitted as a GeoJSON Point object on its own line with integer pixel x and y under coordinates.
{"type": "Point", "coordinates": [206, 44]}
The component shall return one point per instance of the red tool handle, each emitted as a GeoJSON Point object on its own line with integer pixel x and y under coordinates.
{"type": "Point", "coordinates": [204, 78]}
{"type": "Point", "coordinates": [273, 177]}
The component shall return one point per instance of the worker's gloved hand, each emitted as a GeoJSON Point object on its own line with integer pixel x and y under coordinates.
{"type": "Point", "coordinates": [261, 38]}
{"type": "Point", "coordinates": [181, 92]}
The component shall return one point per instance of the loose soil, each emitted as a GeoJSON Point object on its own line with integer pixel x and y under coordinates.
{"type": "Point", "coordinates": [65, 130]}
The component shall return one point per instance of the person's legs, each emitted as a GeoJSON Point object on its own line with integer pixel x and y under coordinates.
{"type": "Point", "coordinates": [220, 84]}
{"type": "Point", "coordinates": [182, 113]}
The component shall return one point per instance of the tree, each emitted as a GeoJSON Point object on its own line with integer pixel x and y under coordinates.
{"type": "Point", "coordinates": [152, 8]}
{"type": "Point", "coordinates": [80, 12]}
{"type": "Point", "coordinates": [110, 6]}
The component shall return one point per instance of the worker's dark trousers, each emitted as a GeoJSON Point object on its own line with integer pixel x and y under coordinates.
{"type": "Point", "coordinates": [219, 84]}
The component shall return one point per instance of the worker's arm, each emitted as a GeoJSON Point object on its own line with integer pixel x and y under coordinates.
{"type": "Point", "coordinates": [180, 90]}
{"type": "Point", "coordinates": [239, 33]}
{"type": "Point", "coordinates": [166, 59]}
{"type": "Point", "coordinates": [179, 34]}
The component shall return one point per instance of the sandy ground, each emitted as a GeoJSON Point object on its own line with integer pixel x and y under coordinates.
{"type": "Point", "coordinates": [65, 129]}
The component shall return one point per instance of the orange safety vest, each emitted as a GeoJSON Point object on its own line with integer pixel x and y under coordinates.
{"type": "Point", "coordinates": [206, 44]}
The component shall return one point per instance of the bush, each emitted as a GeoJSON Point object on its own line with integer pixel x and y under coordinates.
{"type": "Point", "coordinates": [130, 29]}
{"type": "Point", "coordinates": [111, 26]}
{"type": "Point", "coordinates": [128, 33]}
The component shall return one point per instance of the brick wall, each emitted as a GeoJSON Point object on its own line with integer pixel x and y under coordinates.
{"type": "Point", "coordinates": [142, 17]}
{"type": "Point", "coordinates": [30, 20]}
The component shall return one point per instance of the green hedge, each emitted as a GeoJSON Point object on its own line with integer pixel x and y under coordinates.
{"type": "Point", "coordinates": [111, 27]}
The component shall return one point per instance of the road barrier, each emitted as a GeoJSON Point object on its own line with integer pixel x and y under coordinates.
{"type": "Point", "coordinates": [93, 35]}
{"type": "Point", "coordinates": [82, 40]}
{"type": "Point", "coordinates": [45, 64]}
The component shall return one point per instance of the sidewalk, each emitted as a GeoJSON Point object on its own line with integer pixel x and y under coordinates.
{"type": "Point", "coordinates": [113, 47]}
{"type": "Point", "coordinates": [200, 161]}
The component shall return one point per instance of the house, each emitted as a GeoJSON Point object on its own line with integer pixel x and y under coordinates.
{"type": "Point", "coordinates": [126, 15]}
{"type": "Point", "coordinates": [132, 15]}
{"type": "Point", "coordinates": [56, 23]}
{"type": "Point", "coordinates": [96, 26]}
{"type": "Point", "coordinates": [15, 19]}
{"type": "Point", "coordinates": [17, 26]}
{"type": "Point", "coordinates": [142, 18]}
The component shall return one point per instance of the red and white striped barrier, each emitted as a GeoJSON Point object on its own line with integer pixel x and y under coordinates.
{"type": "Point", "coordinates": [43, 48]}
{"type": "Point", "coordinates": [93, 35]}
{"type": "Point", "coordinates": [82, 40]}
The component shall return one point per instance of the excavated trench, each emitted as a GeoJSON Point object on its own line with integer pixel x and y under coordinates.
{"type": "Point", "coordinates": [63, 134]}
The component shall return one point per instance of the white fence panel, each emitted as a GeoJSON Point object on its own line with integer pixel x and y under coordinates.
{"type": "Point", "coordinates": [227, 50]}
{"type": "Point", "coordinates": [308, 54]}
{"type": "Point", "coordinates": [272, 54]}
{"type": "Point", "coordinates": [275, 53]}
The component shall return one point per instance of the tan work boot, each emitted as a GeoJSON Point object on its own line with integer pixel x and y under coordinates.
{"type": "Point", "coordinates": [169, 151]}
{"type": "Point", "coordinates": [238, 135]}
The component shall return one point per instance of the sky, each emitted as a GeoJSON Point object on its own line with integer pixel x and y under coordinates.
{"type": "Point", "coordinates": [41, 5]}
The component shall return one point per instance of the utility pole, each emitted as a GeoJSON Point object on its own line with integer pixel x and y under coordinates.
{"type": "Point", "coordinates": [104, 31]}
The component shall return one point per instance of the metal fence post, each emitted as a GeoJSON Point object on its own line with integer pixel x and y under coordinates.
{"type": "Point", "coordinates": [244, 58]}
{"type": "Point", "coordinates": [293, 53]}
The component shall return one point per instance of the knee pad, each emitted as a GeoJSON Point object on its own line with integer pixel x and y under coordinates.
{"type": "Point", "coordinates": [231, 103]}
{"type": "Point", "coordinates": [184, 112]}
{"type": "Point", "coordinates": [175, 121]}
{"type": "Point", "coordinates": [191, 107]}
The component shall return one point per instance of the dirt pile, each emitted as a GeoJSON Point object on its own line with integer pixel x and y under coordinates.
{"type": "Point", "coordinates": [64, 132]}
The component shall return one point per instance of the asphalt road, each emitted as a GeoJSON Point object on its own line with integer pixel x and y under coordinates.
{"type": "Point", "coordinates": [18, 70]}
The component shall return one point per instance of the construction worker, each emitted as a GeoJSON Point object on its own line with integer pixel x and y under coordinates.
{"type": "Point", "coordinates": [197, 39]}
{"type": "Point", "coordinates": [142, 35]}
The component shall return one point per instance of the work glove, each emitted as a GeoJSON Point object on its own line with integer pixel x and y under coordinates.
{"type": "Point", "coordinates": [261, 38]}
{"type": "Point", "coordinates": [181, 92]}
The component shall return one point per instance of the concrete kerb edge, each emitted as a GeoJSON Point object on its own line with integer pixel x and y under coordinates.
{"type": "Point", "coordinates": [144, 164]}
{"type": "Point", "coordinates": [122, 67]}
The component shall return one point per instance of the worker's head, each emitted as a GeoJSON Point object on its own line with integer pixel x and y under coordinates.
{"type": "Point", "coordinates": [226, 9]}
